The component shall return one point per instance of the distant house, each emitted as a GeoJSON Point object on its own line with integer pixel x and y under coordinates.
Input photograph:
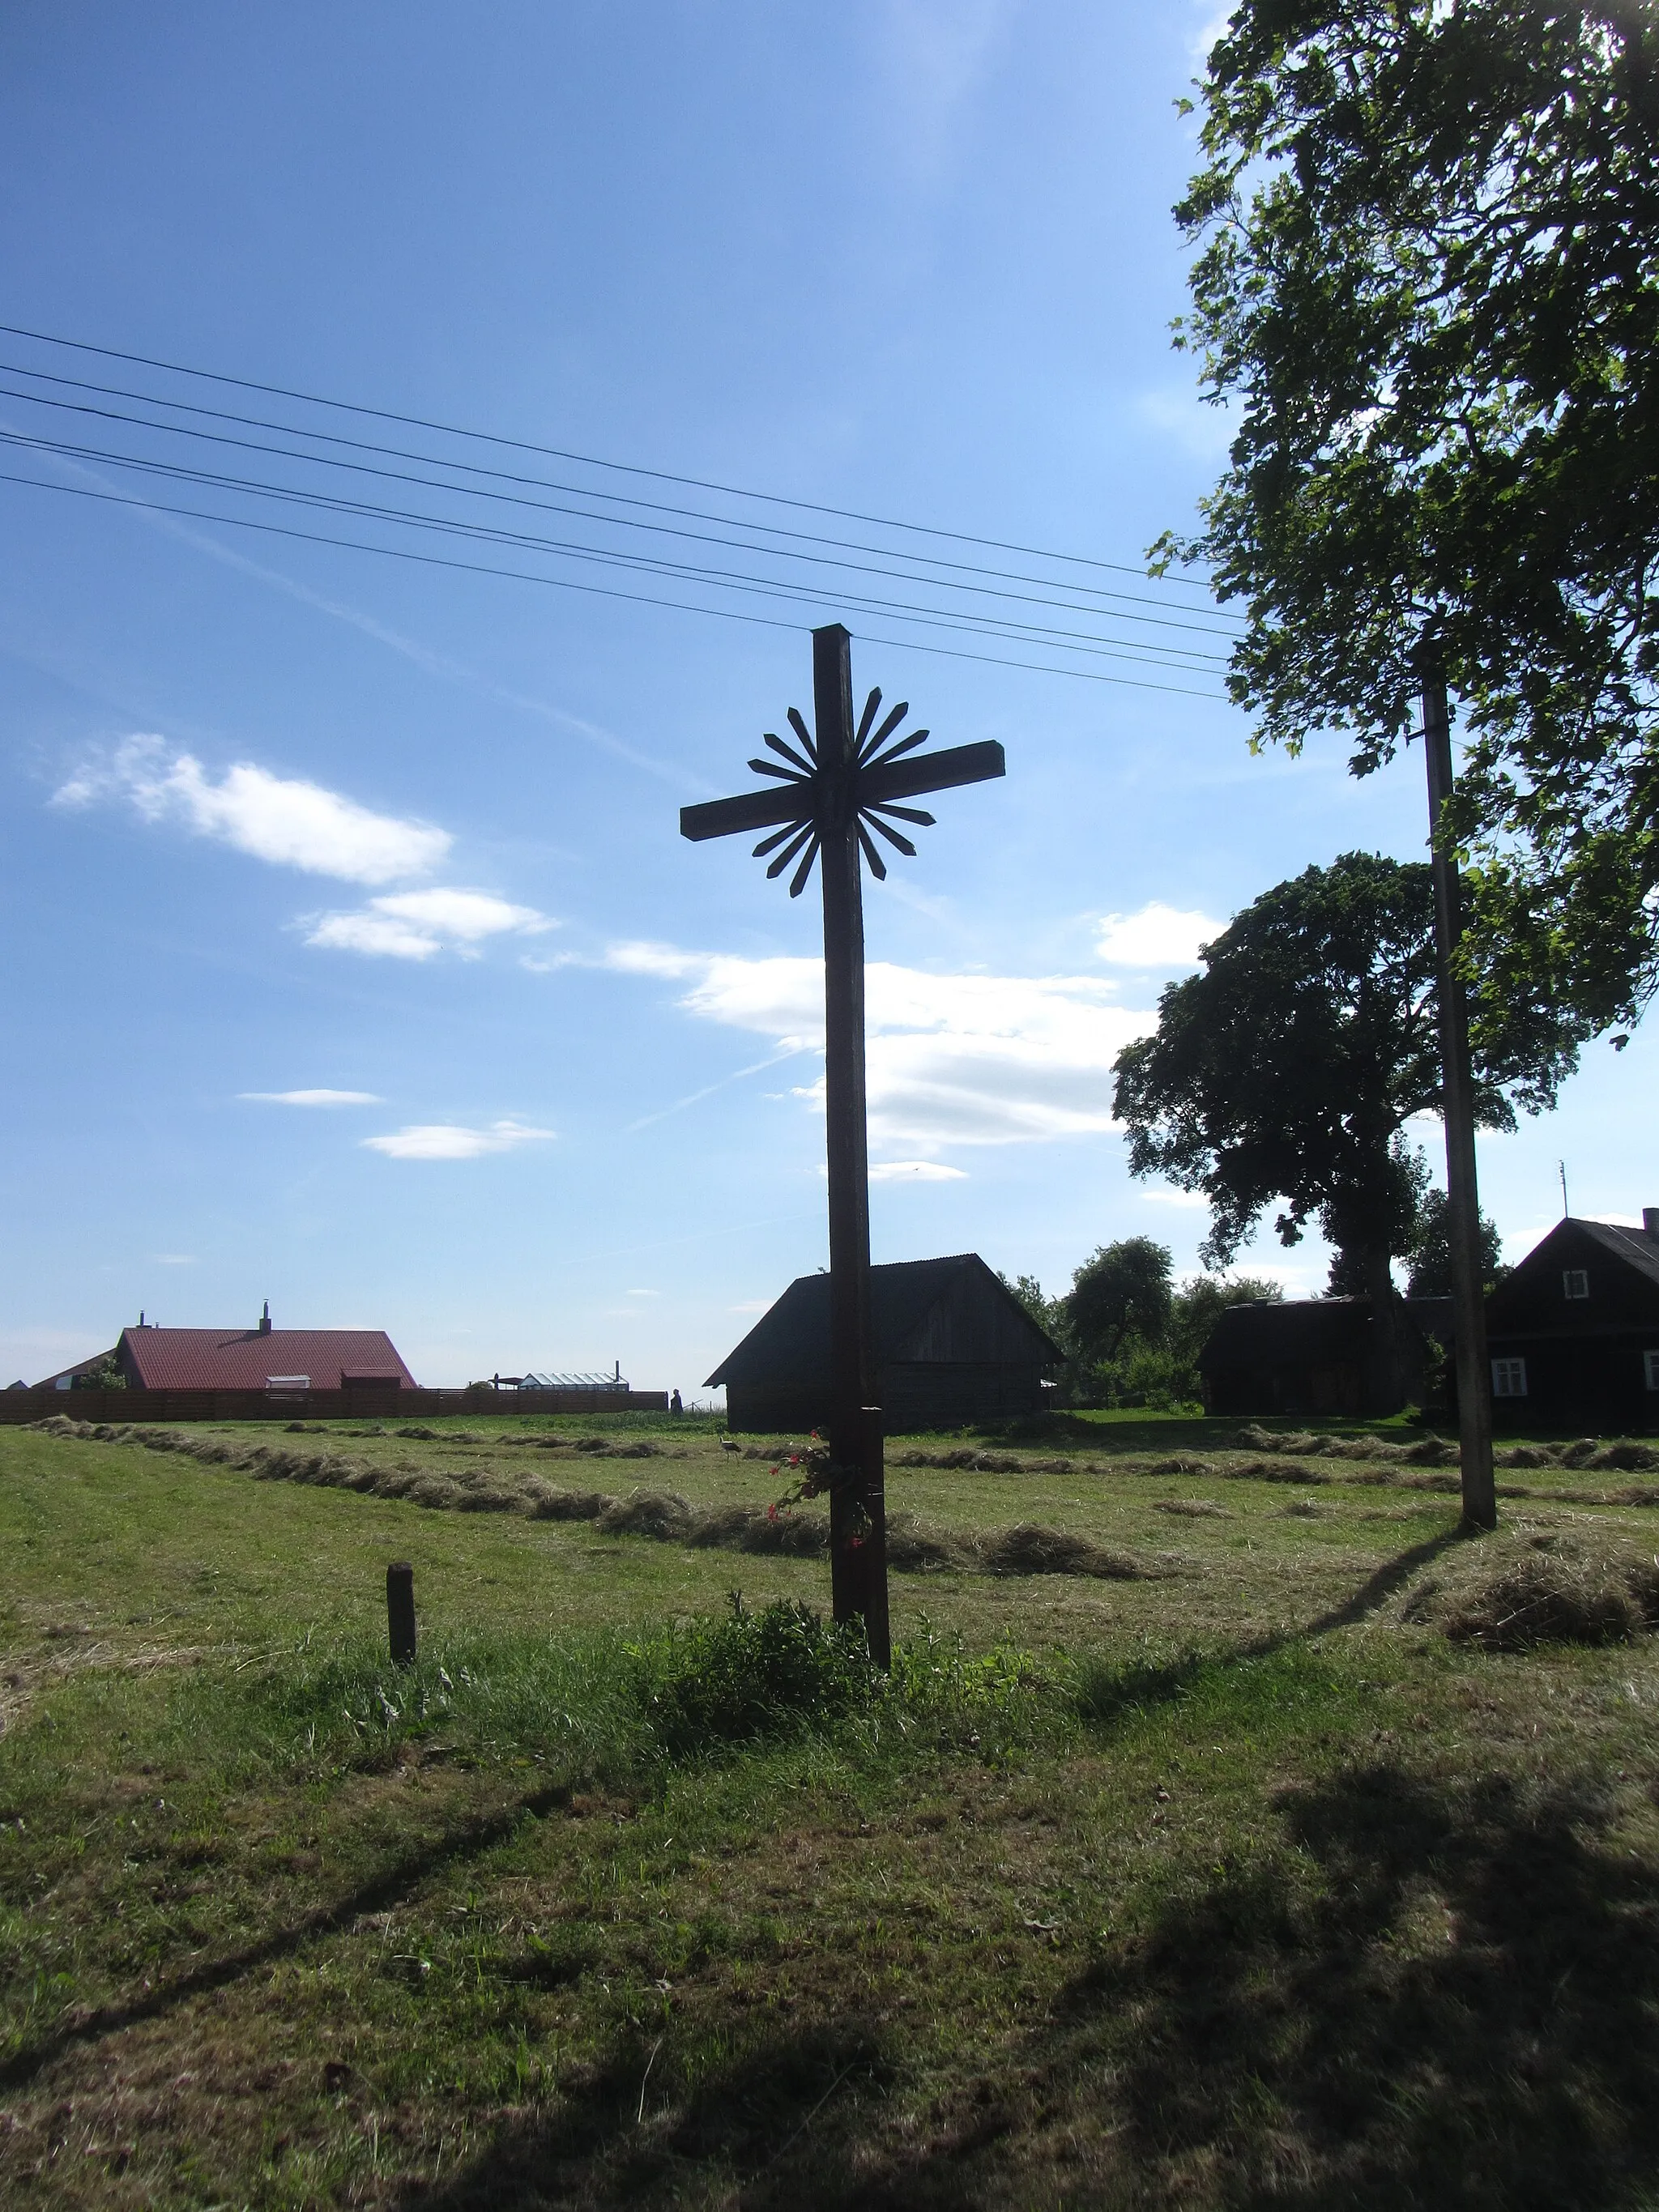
{"type": "Point", "coordinates": [1573, 1333]}
{"type": "Point", "coordinates": [953, 1344]}
{"type": "Point", "coordinates": [257, 1358]}
{"type": "Point", "coordinates": [1305, 1356]}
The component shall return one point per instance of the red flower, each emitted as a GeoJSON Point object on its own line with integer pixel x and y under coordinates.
{"type": "Point", "coordinates": [772, 1512]}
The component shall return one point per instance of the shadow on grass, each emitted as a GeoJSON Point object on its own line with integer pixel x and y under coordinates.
{"type": "Point", "coordinates": [1459, 2007]}
{"type": "Point", "coordinates": [780, 2125]}
{"type": "Point", "coordinates": [464, 1840]}
{"type": "Point", "coordinates": [1107, 1693]}
{"type": "Point", "coordinates": [1425, 1994]}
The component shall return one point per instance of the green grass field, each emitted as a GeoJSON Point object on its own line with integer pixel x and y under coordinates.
{"type": "Point", "coordinates": [1218, 1874]}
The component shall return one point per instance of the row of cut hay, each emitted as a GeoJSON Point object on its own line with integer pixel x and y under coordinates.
{"type": "Point", "coordinates": [664, 1517]}
{"type": "Point", "coordinates": [1623, 1454]}
{"type": "Point", "coordinates": [1521, 1590]}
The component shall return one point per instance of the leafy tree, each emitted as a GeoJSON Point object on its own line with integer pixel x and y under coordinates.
{"type": "Point", "coordinates": [106, 1376]}
{"type": "Point", "coordinates": [1201, 1302]}
{"type": "Point", "coordinates": [1123, 1289]}
{"type": "Point", "coordinates": [1429, 287]}
{"type": "Point", "coordinates": [1048, 1313]}
{"type": "Point", "coordinates": [1287, 1069]}
{"type": "Point", "coordinates": [1430, 1252]}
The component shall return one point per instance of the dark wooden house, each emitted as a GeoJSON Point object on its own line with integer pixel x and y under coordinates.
{"type": "Point", "coordinates": [953, 1343]}
{"type": "Point", "coordinates": [1316, 1356]}
{"type": "Point", "coordinates": [1573, 1333]}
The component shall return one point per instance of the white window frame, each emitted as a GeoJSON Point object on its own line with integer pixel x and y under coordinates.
{"type": "Point", "coordinates": [1575, 1282]}
{"type": "Point", "coordinates": [1650, 1369]}
{"type": "Point", "coordinates": [1508, 1378]}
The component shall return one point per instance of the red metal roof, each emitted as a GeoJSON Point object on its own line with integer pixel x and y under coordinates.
{"type": "Point", "coordinates": [246, 1359]}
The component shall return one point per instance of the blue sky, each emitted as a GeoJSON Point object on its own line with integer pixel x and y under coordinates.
{"type": "Point", "coordinates": [357, 963]}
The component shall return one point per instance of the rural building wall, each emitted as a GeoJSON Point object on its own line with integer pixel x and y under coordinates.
{"type": "Point", "coordinates": [914, 1395]}
{"type": "Point", "coordinates": [1585, 1357]}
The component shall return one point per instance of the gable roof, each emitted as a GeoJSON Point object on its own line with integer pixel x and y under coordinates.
{"type": "Point", "coordinates": [245, 1358]}
{"type": "Point", "coordinates": [1631, 1249]}
{"type": "Point", "coordinates": [1633, 1246]}
{"type": "Point", "coordinates": [791, 1342]}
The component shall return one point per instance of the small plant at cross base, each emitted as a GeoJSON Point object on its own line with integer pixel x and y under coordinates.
{"type": "Point", "coordinates": [817, 1475]}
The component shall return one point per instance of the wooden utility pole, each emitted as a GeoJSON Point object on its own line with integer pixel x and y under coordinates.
{"type": "Point", "coordinates": [838, 786]}
{"type": "Point", "coordinates": [1457, 1099]}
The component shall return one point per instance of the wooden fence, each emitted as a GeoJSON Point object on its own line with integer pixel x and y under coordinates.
{"type": "Point", "coordinates": [19, 1405]}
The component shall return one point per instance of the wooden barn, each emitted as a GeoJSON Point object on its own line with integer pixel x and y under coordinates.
{"type": "Point", "coordinates": [1573, 1333]}
{"type": "Point", "coordinates": [952, 1344]}
{"type": "Point", "coordinates": [1316, 1356]}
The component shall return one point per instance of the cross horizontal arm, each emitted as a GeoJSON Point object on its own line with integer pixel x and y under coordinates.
{"type": "Point", "coordinates": [905, 779]}
{"type": "Point", "coordinates": [750, 810]}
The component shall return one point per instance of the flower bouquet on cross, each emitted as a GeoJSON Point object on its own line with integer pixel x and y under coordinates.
{"type": "Point", "coordinates": [817, 1475]}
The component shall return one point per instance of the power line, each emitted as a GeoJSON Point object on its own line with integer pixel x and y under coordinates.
{"type": "Point", "coordinates": [544, 483]}
{"type": "Point", "coordinates": [587, 460]}
{"type": "Point", "coordinates": [620, 522]}
{"type": "Point", "coordinates": [600, 590]}
{"type": "Point", "coordinates": [1191, 659]}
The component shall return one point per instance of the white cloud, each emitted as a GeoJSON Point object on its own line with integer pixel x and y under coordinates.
{"type": "Point", "coordinates": [311, 1097]}
{"type": "Point", "coordinates": [175, 1258]}
{"type": "Point", "coordinates": [915, 1171]}
{"type": "Point", "coordinates": [415, 925]}
{"type": "Point", "coordinates": [1215, 21]}
{"type": "Point", "coordinates": [450, 1140]}
{"type": "Point", "coordinates": [1156, 936]}
{"type": "Point", "coordinates": [958, 1059]}
{"type": "Point", "coordinates": [1173, 1197]}
{"type": "Point", "coordinates": [641, 1294]}
{"type": "Point", "coordinates": [753, 1305]}
{"type": "Point", "coordinates": [1199, 427]}
{"type": "Point", "coordinates": [284, 820]}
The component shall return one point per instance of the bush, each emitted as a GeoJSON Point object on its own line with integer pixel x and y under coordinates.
{"type": "Point", "coordinates": [728, 1679]}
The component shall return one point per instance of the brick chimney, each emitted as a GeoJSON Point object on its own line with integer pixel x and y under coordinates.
{"type": "Point", "coordinates": [1650, 1222]}
{"type": "Point", "coordinates": [264, 1320]}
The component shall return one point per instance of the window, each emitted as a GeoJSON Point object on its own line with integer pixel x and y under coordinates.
{"type": "Point", "coordinates": [1575, 1283]}
{"type": "Point", "coordinates": [1651, 1365]}
{"type": "Point", "coordinates": [1508, 1378]}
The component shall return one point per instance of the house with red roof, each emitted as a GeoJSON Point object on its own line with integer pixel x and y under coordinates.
{"type": "Point", "coordinates": [257, 1358]}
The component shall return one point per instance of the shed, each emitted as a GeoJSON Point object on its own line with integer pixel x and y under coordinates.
{"type": "Point", "coordinates": [1310, 1356]}
{"type": "Point", "coordinates": [1573, 1333]}
{"type": "Point", "coordinates": [953, 1343]}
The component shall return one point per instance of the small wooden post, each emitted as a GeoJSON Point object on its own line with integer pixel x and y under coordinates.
{"type": "Point", "coordinates": [400, 1612]}
{"type": "Point", "coordinates": [1457, 1106]}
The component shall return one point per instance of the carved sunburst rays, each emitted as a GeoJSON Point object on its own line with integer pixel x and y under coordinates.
{"type": "Point", "coordinates": [800, 839]}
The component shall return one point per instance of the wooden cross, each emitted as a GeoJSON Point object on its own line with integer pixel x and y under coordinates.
{"type": "Point", "coordinates": [832, 793]}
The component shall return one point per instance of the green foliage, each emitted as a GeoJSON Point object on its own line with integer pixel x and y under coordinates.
{"type": "Point", "coordinates": [1288, 1068]}
{"type": "Point", "coordinates": [1049, 1313]}
{"type": "Point", "coordinates": [722, 1680]}
{"type": "Point", "coordinates": [1430, 1251]}
{"type": "Point", "coordinates": [1428, 288]}
{"type": "Point", "coordinates": [1155, 1337]}
{"type": "Point", "coordinates": [1123, 1288]}
{"type": "Point", "coordinates": [105, 1376]}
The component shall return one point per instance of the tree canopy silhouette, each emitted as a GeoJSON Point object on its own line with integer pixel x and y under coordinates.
{"type": "Point", "coordinates": [1428, 288]}
{"type": "Point", "coordinates": [1287, 1069]}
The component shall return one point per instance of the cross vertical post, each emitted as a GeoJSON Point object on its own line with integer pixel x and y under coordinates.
{"type": "Point", "coordinates": [858, 1519]}
{"type": "Point", "coordinates": [840, 783]}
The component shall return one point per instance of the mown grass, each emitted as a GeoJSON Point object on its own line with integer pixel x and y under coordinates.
{"type": "Point", "coordinates": [1243, 1886]}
